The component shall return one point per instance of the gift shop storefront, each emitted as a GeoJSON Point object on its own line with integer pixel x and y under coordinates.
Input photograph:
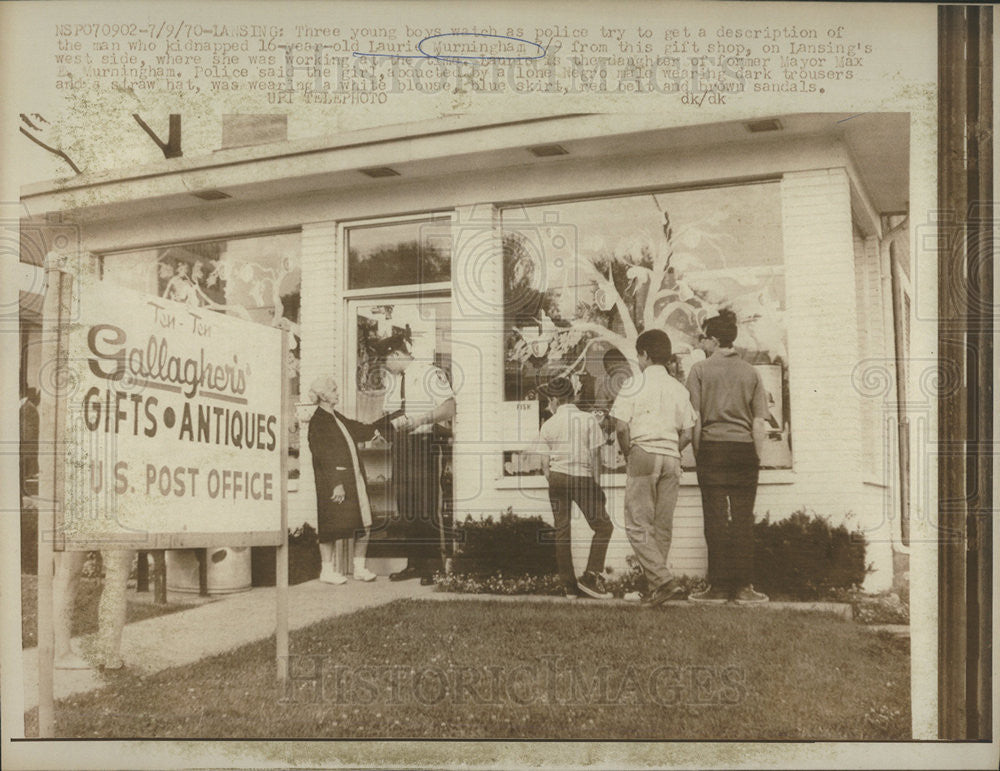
{"type": "Point", "coordinates": [514, 251]}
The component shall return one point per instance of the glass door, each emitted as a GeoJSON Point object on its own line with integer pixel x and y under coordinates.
{"type": "Point", "coordinates": [428, 321]}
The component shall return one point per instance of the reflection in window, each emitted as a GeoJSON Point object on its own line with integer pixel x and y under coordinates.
{"type": "Point", "coordinates": [583, 279]}
{"type": "Point", "coordinates": [257, 279]}
{"type": "Point", "coordinates": [399, 253]}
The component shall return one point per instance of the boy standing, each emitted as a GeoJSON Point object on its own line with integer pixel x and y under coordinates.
{"type": "Point", "coordinates": [654, 422]}
{"type": "Point", "coordinates": [570, 445]}
{"type": "Point", "coordinates": [731, 401]}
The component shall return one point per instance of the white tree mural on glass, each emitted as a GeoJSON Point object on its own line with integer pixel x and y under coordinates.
{"type": "Point", "coordinates": [603, 295]}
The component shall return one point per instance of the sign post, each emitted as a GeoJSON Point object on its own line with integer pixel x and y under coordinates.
{"type": "Point", "coordinates": [56, 312]}
{"type": "Point", "coordinates": [281, 553]}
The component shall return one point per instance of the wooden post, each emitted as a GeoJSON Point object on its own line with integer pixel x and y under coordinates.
{"type": "Point", "coordinates": [160, 577]}
{"type": "Point", "coordinates": [202, 555]}
{"type": "Point", "coordinates": [142, 572]}
{"type": "Point", "coordinates": [51, 432]}
{"type": "Point", "coordinates": [281, 553]}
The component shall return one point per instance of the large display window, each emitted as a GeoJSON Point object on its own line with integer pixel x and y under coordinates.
{"type": "Point", "coordinates": [582, 279]}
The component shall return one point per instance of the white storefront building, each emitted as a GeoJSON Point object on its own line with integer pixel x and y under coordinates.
{"type": "Point", "coordinates": [513, 249]}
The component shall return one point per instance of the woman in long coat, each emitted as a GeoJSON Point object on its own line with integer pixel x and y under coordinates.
{"type": "Point", "coordinates": [342, 506]}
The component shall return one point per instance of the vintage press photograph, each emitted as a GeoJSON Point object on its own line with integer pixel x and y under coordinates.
{"type": "Point", "coordinates": [369, 394]}
{"type": "Point", "coordinates": [573, 460]}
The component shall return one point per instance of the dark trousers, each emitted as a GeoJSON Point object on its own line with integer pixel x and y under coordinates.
{"type": "Point", "coordinates": [727, 476]}
{"type": "Point", "coordinates": [416, 480]}
{"type": "Point", "coordinates": [564, 491]}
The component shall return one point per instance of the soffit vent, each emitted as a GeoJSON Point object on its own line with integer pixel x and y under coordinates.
{"type": "Point", "coordinates": [547, 151]}
{"type": "Point", "coordinates": [379, 171]}
{"type": "Point", "coordinates": [211, 195]}
{"type": "Point", "coordinates": [758, 126]}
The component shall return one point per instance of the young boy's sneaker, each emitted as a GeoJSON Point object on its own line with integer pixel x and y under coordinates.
{"type": "Point", "coordinates": [747, 596]}
{"type": "Point", "coordinates": [592, 585]}
{"type": "Point", "coordinates": [668, 591]}
{"type": "Point", "coordinates": [709, 596]}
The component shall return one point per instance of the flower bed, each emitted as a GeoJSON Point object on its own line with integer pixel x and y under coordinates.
{"type": "Point", "coordinates": [801, 557]}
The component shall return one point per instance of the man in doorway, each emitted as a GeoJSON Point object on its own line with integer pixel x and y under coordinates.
{"type": "Point", "coordinates": [422, 404]}
{"type": "Point", "coordinates": [731, 402]}
{"type": "Point", "coordinates": [654, 420]}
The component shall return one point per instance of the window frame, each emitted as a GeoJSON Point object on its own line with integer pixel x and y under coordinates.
{"type": "Point", "coordinates": [394, 290]}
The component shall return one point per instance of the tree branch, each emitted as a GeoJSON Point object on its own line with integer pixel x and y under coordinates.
{"type": "Point", "coordinates": [671, 307]}
{"type": "Point", "coordinates": [568, 369]}
{"type": "Point", "coordinates": [620, 306]}
{"type": "Point", "coordinates": [172, 147]}
{"type": "Point", "coordinates": [54, 151]}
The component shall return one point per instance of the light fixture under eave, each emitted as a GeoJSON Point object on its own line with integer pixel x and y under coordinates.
{"type": "Point", "coordinates": [768, 124]}
{"type": "Point", "coordinates": [547, 151]}
{"type": "Point", "coordinates": [211, 195]}
{"type": "Point", "coordinates": [379, 171]}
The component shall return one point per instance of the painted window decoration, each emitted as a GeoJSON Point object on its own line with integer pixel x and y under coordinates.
{"type": "Point", "coordinates": [399, 253]}
{"type": "Point", "coordinates": [257, 278]}
{"type": "Point", "coordinates": [583, 279]}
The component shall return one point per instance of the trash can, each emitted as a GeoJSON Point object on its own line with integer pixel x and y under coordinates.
{"type": "Point", "coordinates": [228, 570]}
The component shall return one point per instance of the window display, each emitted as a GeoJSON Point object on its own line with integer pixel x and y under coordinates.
{"type": "Point", "coordinates": [583, 279]}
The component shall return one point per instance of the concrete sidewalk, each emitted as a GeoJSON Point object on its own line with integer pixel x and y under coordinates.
{"type": "Point", "coordinates": [216, 627]}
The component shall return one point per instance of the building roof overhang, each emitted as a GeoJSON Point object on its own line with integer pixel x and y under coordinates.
{"type": "Point", "coordinates": [876, 142]}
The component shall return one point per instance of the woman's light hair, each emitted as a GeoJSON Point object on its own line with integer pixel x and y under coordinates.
{"type": "Point", "coordinates": [321, 388]}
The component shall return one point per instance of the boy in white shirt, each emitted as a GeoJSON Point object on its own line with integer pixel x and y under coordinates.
{"type": "Point", "coordinates": [570, 445]}
{"type": "Point", "coordinates": [655, 421]}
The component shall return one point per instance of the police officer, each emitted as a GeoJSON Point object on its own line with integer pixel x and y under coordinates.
{"type": "Point", "coordinates": [422, 404]}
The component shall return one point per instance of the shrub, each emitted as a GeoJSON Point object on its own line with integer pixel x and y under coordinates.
{"type": "Point", "coordinates": [303, 559]}
{"type": "Point", "coordinates": [511, 545]}
{"type": "Point", "coordinates": [803, 557]}
{"type": "Point", "coordinates": [886, 608]}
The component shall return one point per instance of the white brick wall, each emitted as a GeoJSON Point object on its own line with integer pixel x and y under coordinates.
{"type": "Point", "coordinates": [322, 343]}
{"type": "Point", "coordinates": [822, 337]}
{"type": "Point", "coordinates": [477, 350]}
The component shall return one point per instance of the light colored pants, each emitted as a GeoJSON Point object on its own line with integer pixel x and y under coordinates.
{"type": "Point", "coordinates": [651, 489]}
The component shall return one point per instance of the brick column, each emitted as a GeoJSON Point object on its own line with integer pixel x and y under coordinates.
{"type": "Point", "coordinates": [822, 336]}
{"type": "Point", "coordinates": [322, 323]}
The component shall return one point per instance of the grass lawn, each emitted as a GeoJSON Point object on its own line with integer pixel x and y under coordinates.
{"type": "Point", "coordinates": [502, 670]}
{"type": "Point", "coordinates": [88, 597]}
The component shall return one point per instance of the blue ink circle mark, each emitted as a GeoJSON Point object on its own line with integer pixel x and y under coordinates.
{"type": "Point", "coordinates": [457, 58]}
